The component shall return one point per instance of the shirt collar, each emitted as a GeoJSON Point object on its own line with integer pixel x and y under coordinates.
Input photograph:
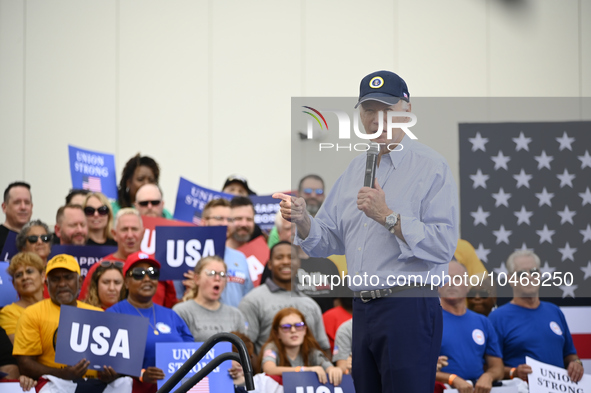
{"type": "Point", "coordinates": [276, 288]}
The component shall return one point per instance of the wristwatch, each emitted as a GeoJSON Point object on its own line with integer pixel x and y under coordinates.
{"type": "Point", "coordinates": [391, 221]}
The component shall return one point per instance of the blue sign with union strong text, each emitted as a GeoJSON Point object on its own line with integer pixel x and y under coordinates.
{"type": "Point", "coordinates": [103, 338]}
{"type": "Point", "coordinates": [94, 171]}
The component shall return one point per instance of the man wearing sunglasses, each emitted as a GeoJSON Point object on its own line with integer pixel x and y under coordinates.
{"type": "Point", "coordinates": [71, 226]}
{"type": "Point", "coordinates": [34, 342]}
{"type": "Point", "coordinates": [311, 188]}
{"type": "Point", "coordinates": [149, 202]}
{"type": "Point", "coordinates": [529, 327]}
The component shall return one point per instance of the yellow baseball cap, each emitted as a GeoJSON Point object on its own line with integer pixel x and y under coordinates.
{"type": "Point", "coordinates": [63, 261]}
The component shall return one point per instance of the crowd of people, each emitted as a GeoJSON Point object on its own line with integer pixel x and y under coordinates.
{"type": "Point", "coordinates": [474, 344]}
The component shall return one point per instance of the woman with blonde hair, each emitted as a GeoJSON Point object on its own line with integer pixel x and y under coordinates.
{"type": "Point", "coordinates": [292, 347]}
{"type": "Point", "coordinates": [202, 310]}
{"type": "Point", "coordinates": [27, 270]}
{"type": "Point", "coordinates": [100, 220]}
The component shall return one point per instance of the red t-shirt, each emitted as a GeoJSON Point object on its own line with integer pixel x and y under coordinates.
{"type": "Point", "coordinates": [165, 293]}
{"type": "Point", "coordinates": [333, 319]}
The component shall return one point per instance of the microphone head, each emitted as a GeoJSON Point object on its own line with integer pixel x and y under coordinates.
{"type": "Point", "coordinates": [374, 149]}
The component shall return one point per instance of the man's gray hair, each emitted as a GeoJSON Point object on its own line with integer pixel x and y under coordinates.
{"type": "Point", "coordinates": [518, 254]}
{"type": "Point", "coordinates": [125, 211]}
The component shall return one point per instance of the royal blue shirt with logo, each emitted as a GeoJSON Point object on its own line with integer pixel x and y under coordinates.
{"type": "Point", "coordinates": [171, 327]}
{"type": "Point", "coordinates": [466, 340]}
{"type": "Point", "coordinates": [540, 333]}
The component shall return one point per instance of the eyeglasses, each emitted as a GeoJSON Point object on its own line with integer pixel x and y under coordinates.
{"type": "Point", "coordinates": [117, 264]}
{"type": "Point", "coordinates": [481, 293]}
{"type": "Point", "coordinates": [212, 273]}
{"type": "Point", "coordinates": [138, 273]}
{"type": "Point", "coordinates": [146, 203]}
{"type": "Point", "coordinates": [318, 191]}
{"type": "Point", "coordinates": [286, 328]}
{"type": "Point", "coordinates": [102, 211]}
{"type": "Point", "coordinates": [44, 238]}
{"type": "Point", "coordinates": [530, 271]}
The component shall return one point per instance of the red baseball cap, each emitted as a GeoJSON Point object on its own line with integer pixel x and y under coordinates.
{"type": "Point", "coordinates": [136, 258]}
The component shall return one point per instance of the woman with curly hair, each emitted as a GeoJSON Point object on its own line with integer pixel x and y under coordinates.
{"type": "Point", "coordinates": [106, 285]}
{"type": "Point", "coordinates": [35, 237]}
{"type": "Point", "coordinates": [291, 347]}
{"type": "Point", "coordinates": [139, 170]}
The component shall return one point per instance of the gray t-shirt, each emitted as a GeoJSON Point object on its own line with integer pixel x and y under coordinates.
{"type": "Point", "coordinates": [343, 342]}
{"type": "Point", "coordinates": [315, 358]}
{"type": "Point", "coordinates": [261, 304]}
{"type": "Point", "coordinates": [204, 323]}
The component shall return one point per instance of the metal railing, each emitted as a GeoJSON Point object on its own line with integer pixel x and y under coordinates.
{"type": "Point", "coordinates": [241, 357]}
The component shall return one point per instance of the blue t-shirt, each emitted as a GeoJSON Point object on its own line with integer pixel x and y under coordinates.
{"type": "Point", "coordinates": [239, 282]}
{"type": "Point", "coordinates": [170, 326]}
{"type": "Point", "coordinates": [466, 340]}
{"type": "Point", "coordinates": [540, 333]}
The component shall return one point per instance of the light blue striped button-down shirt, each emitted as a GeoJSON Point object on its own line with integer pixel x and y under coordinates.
{"type": "Point", "coordinates": [420, 187]}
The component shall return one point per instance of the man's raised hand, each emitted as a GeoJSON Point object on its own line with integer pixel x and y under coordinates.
{"type": "Point", "coordinates": [293, 209]}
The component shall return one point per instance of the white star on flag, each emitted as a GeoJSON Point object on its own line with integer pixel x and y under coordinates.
{"type": "Point", "coordinates": [565, 142]}
{"type": "Point", "coordinates": [544, 160]}
{"type": "Point", "coordinates": [522, 142]}
{"type": "Point", "coordinates": [524, 248]}
{"type": "Point", "coordinates": [545, 197]}
{"type": "Point", "coordinates": [501, 198]}
{"type": "Point", "coordinates": [500, 269]}
{"type": "Point", "coordinates": [545, 234]}
{"type": "Point", "coordinates": [479, 179]}
{"type": "Point", "coordinates": [523, 216]}
{"type": "Point", "coordinates": [586, 196]}
{"type": "Point", "coordinates": [478, 142]}
{"type": "Point", "coordinates": [585, 160]}
{"type": "Point", "coordinates": [587, 270]}
{"type": "Point", "coordinates": [547, 269]}
{"type": "Point", "coordinates": [566, 179]}
{"type": "Point", "coordinates": [480, 216]}
{"type": "Point", "coordinates": [568, 290]}
{"type": "Point", "coordinates": [566, 215]}
{"type": "Point", "coordinates": [522, 179]}
{"type": "Point", "coordinates": [586, 234]}
{"type": "Point", "coordinates": [482, 253]}
{"type": "Point", "coordinates": [567, 252]}
{"type": "Point", "coordinates": [501, 161]}
{"type": "Point", "coordinates": [502, 235]}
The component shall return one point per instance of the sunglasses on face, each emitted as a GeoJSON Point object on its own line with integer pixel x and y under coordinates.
{"type": "Point", "coordinates": [138, 273]}
{"type": "Point", "coordinates": [117, 264]}
{"type": "Point", "coordinates": [286, 328]}
{"type": "Point", "coordinates": [102, 211]}
{"type": "Point", "coordinates": [212, 273]}
{"type": "Point", "coordinates": [530, 271]}
{"type": "Point", "coordinates": [318, 191]}
{"type": "Point", "coordinates": [146, 203]}
{"type": "Point", "coordinates": [44, 238]}
{"type": "Point", "coordinates": [481, 294]}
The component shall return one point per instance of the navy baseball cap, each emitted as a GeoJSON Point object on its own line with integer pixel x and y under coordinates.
{"type": "Point", "coordinates": [383, 86]}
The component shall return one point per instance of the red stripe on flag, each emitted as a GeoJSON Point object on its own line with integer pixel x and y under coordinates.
{"type": "Point", "coordinates": [582, 345]}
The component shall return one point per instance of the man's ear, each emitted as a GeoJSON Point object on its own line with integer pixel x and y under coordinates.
{"type": "Point", "coordinates": [56, 229]}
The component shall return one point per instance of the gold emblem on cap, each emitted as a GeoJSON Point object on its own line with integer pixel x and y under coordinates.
{"type": "Point", "coordinates": [376, 82]}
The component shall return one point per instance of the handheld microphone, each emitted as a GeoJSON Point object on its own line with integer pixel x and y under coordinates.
{"type": "Point", "coordinates": [370, 165]}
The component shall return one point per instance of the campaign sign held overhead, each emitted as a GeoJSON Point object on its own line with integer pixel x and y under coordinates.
{"type": "Point", "coordinates": [307, 382]}
{"type": "Point", "coordinates": [178, 249]}
{"type": "Point", "coordinates": [94, 171]}
{"type": "Point", "coordinates": [85, 255]}
{"type": "Point", "coordinates": [171, 356]}
{"type": "Point", "coordinates": [116, 340]}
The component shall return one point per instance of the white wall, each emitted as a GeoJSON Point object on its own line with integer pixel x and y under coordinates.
{"type": "Point", "coordinates": [205, 87]}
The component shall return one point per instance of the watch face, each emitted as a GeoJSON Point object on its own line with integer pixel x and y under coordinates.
{"type": "Point", "coordinates": [391, 220]}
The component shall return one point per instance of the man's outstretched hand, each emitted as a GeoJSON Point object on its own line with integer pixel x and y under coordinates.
{"type": "Point", "coordinates": [293, 209]}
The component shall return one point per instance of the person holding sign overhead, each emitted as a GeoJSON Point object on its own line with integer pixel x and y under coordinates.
{"type": "Point", "coordinates": [36, 331]}
{"type": "Point", "coordinates": [202, 311]}
{"type": "Point", "coordinates": [141, 273]}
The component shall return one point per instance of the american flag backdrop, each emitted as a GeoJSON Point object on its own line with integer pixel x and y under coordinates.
{"type": "Point", "coordinates": [528, 185]}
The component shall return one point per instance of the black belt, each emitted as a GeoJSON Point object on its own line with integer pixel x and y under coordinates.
{"type": "Point", "coordinates": [367, 296]}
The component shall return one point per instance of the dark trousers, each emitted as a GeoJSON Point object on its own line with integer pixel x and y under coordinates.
{"type": "Point", "coordinates": [396, 342]}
